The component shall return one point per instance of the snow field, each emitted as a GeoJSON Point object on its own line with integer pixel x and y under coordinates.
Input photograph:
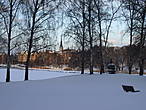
{"type": "Point", "coordinates": [34, 74]}
{"type": "Point", "coordinates": [77, 92]}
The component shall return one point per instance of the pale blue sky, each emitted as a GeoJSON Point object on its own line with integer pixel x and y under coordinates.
{"type": "Point", "coordinates": [116, 36]}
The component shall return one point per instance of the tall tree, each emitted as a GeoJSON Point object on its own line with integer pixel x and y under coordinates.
{"type": "Point", "coordinates": [130, 14]}
{"type": "Point", "coordinates": [39, 12]}
{"type": "Point", "coordinates": [113, 7]}
{"type": "Point", "coordinates": [106, 11]}
{"type": "Point", "coordinates": [99, 4]}
{"type": "Point", "coordinates": [8, 13]}
{"type": "Point", "coordinates": [90, 5]}
{"type": "Point", "coordinates": [142, 13]}
{"type": "Point", "coordinates": [77, 27]}
{"type": "Point", "coordinates": [83, 38]}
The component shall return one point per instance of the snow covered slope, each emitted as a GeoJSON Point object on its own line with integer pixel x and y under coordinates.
{"type": "Point", "coordinates": [79, 92]}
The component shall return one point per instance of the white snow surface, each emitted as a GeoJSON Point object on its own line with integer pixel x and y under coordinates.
{"type": "Point", "coordinates": [76, 92]}
{"type": "Point", "coordinates": [34, 74]}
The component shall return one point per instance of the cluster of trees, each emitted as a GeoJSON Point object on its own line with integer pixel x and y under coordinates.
{"type": "Point", "coordinates": [91, 21]}
{"type": "Point", "coordinates": [27, 25]}
{"type": "Point", "coordinates": [30, 25]}
{"type": "Point", "coordinates": [134, 15]}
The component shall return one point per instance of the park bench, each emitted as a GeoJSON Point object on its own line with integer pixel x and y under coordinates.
{"type": "Point", "coordinates": [127, 88]}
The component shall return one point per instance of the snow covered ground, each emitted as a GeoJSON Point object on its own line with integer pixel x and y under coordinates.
{"type": "Point", "coordinates": [34, 74]}
{"type": "Point", "coordinates": [77, 92]}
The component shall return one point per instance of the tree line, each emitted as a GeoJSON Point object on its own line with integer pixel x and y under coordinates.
{"type": "Point", "coordinates": [30, 25]}
{"type": "Point", "coordinates": [91, 22]}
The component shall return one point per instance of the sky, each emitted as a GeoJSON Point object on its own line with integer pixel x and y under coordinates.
{"type": "Point", "coordinates": [117, 36]}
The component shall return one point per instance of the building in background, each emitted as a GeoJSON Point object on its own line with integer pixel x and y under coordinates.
{"type": "Point", "coordinates": [3, 58]}
{"type": "Point", "coordinates": [48, 57]}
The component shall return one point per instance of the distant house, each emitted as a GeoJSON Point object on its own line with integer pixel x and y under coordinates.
{"type": "Point", "coordinates": [67, 54]}
{"type": "Point", "coordinates": [22, 57]}
{"type": "Point", "coordinates": [3, 57]}
{"type": "Point", "coordinates": [48, 57]}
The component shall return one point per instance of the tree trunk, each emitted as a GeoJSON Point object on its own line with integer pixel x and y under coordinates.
{"type": "Point", "coordinates": [83, 40]}
{"type": "Point", "coordinates": [142, 40]}
{"type": "Point", "coordinates": [100, 37]}
{"type": "Point", "coordinates": [130, 69]}
{"type": "Point", "coordinates": [91, 39]}
{"type": "Point", "coordinates": [30, 42]}
{"type": "Point", "coordinates": [82, 62]}
{"type": "Point", "coordinates": [141, 72]}
{"type": "Point", "coordinates": [131, 38]}
{"type": "Point", "coordinates": [9, 43]}
{"type": "Point", "coordinates": [91, 61]}
{"type": "Point", "coordinates": [26, 71]}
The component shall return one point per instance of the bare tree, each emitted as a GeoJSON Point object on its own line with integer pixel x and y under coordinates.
{"type": "Point", "coordinates": [99, 4]}
{"type": "Point", "coordinates": [39, 12]}
{"type": "Point", "coordinates": [8, 13]}
{"type": "Point", "coordinates": [106, 11]}
{"type": "Point", "coordinates": [142, 13]}
{"type": "Point", "coordinates": [130, 14]}
{"type": "Point", "coordinates": [77, 26]}
{"type": "Point", "coordinates": [83, 38]}
{"type": "Point", "coordinates": [140, 37]}
{"type": "Point", "coordinates": [90, 5]}
{"type": "Point", "coordinates": [113, 7]}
